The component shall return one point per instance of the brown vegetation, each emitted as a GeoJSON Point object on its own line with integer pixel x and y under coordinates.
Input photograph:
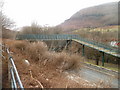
{"type": "Point", "coordinates": [4, 69]}
{"type": "Point", "coordinates": [102, 34]}
{"type": "Point", "coordinates": [38, 52]}
{"type": "Point", "coordinates": [8, 34]}
{"type": "Point", "coordinates": [37, 29]}
{"type": "Point", "coordinates": [47, 69]}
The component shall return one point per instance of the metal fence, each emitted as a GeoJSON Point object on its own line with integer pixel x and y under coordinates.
{"type": "Point", "coordinates": [15, 79]}
{"type": "Point", "coordinates": [14, 76]}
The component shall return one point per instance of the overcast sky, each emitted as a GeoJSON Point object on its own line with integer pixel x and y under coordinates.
{"type": "Point", "coordinates": [51, 12]}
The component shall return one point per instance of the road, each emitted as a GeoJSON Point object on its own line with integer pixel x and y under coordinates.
{"type": "Point", "coordinates": [94, 75]}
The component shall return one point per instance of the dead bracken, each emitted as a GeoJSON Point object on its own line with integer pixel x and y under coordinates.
{"type": "Point", "coordinates": [46, 69]}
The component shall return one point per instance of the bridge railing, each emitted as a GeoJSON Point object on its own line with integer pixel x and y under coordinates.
{"type": "Point", "coordinates": [38, 36]}
{"type": "Point", "coordinates": [65, 37]}
{"type": "Point", "coordinates": [99, 44]}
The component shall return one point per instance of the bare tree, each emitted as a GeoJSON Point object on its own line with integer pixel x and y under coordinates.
{"type": "Point", "coordinates": [5, 22]}
{"type": "Point", "coordinates": [1, 5]}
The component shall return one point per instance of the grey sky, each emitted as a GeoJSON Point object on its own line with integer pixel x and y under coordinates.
{"type": "Point", "coordinates": [51, 12]}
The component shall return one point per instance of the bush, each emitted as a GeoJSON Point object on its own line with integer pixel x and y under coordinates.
{"type": "Point", "coordinates": [37, 29]}
{"type": "Point", "coordinates": [21, 45]}
{"type": "Point", "coordinates": [8, 34]}
{"type": "Point", "coordinates": [38, 52]}
{"type": "Point", "coordinates": [64, 61]}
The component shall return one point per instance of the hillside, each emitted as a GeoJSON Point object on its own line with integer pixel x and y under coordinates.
{"type": "Point", "coordinates": [96, 16]}
{"type": "Point", "coordinates": [48, 69]}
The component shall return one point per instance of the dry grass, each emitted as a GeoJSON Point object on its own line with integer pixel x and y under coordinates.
{"type": "Point", "coordinates": [45, 71]}
{"type": "Point", "coordinates": [20, 45]}
{"type": "Point", "coordinates": [64, 61]}
{"type": "Point", "coordinates": [8, 34]}
{"type": "Point", "coordinates": [45, 66]}
{"type": "Point", "coordinates": [38, 52]}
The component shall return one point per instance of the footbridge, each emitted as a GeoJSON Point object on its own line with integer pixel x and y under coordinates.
{"type": "Point", "coordinates": [92, 44]}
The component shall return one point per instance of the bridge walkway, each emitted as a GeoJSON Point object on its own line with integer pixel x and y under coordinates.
{"type": "Point", "coordinates": [99, 46]}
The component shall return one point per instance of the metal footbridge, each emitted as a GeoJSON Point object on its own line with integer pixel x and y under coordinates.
{"type": "Point", "coordinates": [92, 44]}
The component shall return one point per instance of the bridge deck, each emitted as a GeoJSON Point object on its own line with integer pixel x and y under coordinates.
{"type": "Point", "coordinates": [77, 38]}
{"type": "Point", "coordinates": [98, 48]}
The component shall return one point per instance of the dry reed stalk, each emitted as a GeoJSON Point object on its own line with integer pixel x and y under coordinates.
{"type": "Point", "coordinates": [35, 79]}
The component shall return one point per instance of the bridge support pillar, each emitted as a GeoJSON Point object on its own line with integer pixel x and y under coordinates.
{"type": "Point", "coordinates": [103, 58]}
{"type": "Point", "coordinates": [83, 50]}
{"type": "Point", "coordinates": [68, 43]}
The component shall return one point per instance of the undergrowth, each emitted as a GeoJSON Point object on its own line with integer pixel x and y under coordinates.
{"type": "Point", "coordinates": [38, 52]}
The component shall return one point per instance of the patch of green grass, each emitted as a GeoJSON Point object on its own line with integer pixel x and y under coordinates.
{"type": "Point", "coordinates": [110, 66]}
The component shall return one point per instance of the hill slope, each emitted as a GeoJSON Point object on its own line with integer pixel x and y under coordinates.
{"type": "Point", "coordinates": [97, 16]}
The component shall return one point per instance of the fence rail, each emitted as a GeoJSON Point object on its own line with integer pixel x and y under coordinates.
{"type": "Point", "coordinates": [14, 76]}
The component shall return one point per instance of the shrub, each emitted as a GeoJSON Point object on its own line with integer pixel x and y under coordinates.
{"type": "Point", "coordinates": [21, 45]}
{"type": "Point", "coordinates": [38, 52]}
{"type": "Point", "coordinates": [8, 34]}
{"type": "Point", "coordinates": [37, 29]}
{"type": "Point", "coordinates": [64, 61]}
